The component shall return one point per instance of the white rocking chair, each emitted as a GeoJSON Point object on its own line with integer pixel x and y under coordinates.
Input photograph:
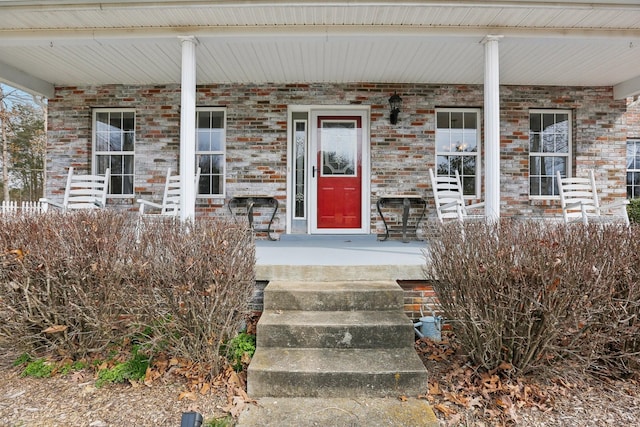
{"type": "Point", "coordinates": [579, 200]}
{"type": "Point", "coordinates": [82, 192]}
{"type": "Point", "coordinates": [449, 198]}
{"type": "Point", "coordinates": [170, 205]}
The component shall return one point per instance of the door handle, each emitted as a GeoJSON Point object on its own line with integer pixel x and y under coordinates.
{"type": "Point", "coordinates": [313, 171]}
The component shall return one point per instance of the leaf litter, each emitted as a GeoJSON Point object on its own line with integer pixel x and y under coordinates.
{"type": "Point", "coordinates": [463, 395]}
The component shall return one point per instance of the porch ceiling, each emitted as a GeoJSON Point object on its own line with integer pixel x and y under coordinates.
{"type": "Point", "coordinates": [44, 43]}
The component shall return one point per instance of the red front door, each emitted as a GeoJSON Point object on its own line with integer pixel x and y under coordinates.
{"type": "Point", "coordinates": [339, 192]}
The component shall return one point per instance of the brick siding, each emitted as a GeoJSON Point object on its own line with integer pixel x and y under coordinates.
{"type": "Point", "coordinates": [400, 155]}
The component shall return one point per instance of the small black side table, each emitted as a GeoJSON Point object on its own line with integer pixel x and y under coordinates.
{"type": "Point", "coordinates": [249, 202]}
{"type": "Point", "coordinates": [406, 200]}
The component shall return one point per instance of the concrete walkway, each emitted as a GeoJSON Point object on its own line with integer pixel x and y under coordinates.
{"type": "Point", "coordinates": [356, 412]}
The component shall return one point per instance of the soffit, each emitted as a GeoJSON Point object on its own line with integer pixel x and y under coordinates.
{"type": "Point", "coordinates": [562, 43]}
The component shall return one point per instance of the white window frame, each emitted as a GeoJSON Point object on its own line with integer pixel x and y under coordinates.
{"type": "Point", "coordinates": [222, 152]}
{"type": "Point", "coordinates": [477, 155]}
{"type": "Point", "coordinates": [633, 167]}
{"type": "Point", "coordinates": [568, 156]}
{"type": "Point", "coordinates": [96, 154]}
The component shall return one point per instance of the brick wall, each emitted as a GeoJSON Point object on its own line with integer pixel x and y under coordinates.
{"type": "Point", "coordinates": [401, 154]}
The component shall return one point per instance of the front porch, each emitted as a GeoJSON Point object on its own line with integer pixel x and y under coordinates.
{"type": "Point", "coordinates": [339, 257]}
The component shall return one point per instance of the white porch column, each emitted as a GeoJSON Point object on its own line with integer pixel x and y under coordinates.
{"type": "Point", "coordinates": [188, 128]}
{"type": "Point", "coordinates": [492, 127]}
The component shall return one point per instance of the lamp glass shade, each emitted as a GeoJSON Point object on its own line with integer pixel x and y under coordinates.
{"type": "Point", "coordinates": [395, 102]}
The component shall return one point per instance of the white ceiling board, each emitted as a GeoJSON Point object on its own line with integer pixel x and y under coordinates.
{"type": "Point", "coordinates": [558, 43]}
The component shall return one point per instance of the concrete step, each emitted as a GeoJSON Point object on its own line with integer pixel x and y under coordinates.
{"type": "Point", "coordinates": [333, 296]}
{"type": "Point", "coordinates": [335, 329]}
{"type": "Point", "coordinates": [338, 412]}
{"type": "Point", "coordinates": [323, 372]}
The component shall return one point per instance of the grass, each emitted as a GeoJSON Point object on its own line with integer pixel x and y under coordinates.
{"type": "Point", "coordinates": [133, 369]}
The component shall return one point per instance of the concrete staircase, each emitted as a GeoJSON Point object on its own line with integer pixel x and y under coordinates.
{"type": "Point", "coordinates": [335, 339]}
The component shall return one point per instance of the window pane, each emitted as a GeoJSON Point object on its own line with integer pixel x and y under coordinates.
{"type": "Point", "coordinates": [217, 140]}
{"type": "Point", "coordinates": [631, 155]}
{"type": "Point", "coordinates": [562, 143]}
{"type": "Point", "coordinates": [204, 163]}
{"type": "Point", "coordinates": [534, 186]}
{"type": "Point", "coordinates": [102, 122]}
{"type": "Point", "coordinates": [442, 166]}
{"type": "Point", "coordinates": [457, 120]}
{"type": "Point", "coordinates": [204, 186]}
{"type": "Point", "coordinates": [128, 165]}
{"type": "Point", "coordinates": [534, 143]}
{"type": "Point", "coordinates": [535, 122]}
{"type": "Point", "coordinates": [102, 163]}
{"type": "Point", "coordinates": [468, 165]}
{"type": "Point", "coordinates": [534, 165]}
{"type": "Point", "coordinates": [469, 186]}
{"type": "Point", "coordinates": [217, 164]}
{"type": "Point", "coordinates": [217, 120]}
{"type": "Point", "coordinates": [128, 121]}
{"type": "Point", "coordinates": [102, 141]}
{"type": "Point", "coordinates": [469, 141]}
{"type": "Point", "coordinates": [128, 139]}
{"type": "Point", "coordinates": [456, 140]}
{"type": "Point", "coordinates": [204, 140]}
{"type": "Point", "coordinates": [116, 165]}
{"type": "Point", "coordinates": [204, 120]}
{"type": "Point", "coordinates": [115, 186]}
{"type": "Point", "coordinates": [115, 142]}
{"type": "Point", "coordinates": [115, 121]}
{"type": "Point", "coordinates": [546, 185]}
{"type": "Point", "coordinates": [636, 184]}
{"type": "Point", "coordinates": [442, 141]}
{"type": "Point", "coordinates": [470, 121]}
{"type": "Point", "coordinates": [442, 120]}
{"type": "Point", "coordinates": [636, 146]}
{"type": "Point", "coordinates": [560, 164]}
{"type": "Point", "coordinates": [562, 118]}
{"type": "Point", "coordinates": [127, 184]}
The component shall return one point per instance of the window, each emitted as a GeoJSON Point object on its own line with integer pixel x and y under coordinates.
{"type": "Point", "coordinates": [633, 168]}
{"type": "Point", "coordinates": [210, 150]}
{"type": "Point", "coordinates": [458, 147]}
{"type": "Point", "coordinates": [114, 135]}
{"type": "Point", "coordinates": [549, 150]}
{"type": "Point", "coordinates": [300, 167]}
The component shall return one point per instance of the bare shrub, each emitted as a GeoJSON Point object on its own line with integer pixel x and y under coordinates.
{"type": "Point", "coordinates": [527, 293]}
{"type": "Point", "coordinates": [194, 285]}
{"type": "Point", "coordinates": [58, 273]}
{"type": "Point", "coordinates": [605, 337]}
{"type": "Point", "coordinates": [77, 283]}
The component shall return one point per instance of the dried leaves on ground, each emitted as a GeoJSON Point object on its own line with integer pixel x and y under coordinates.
{"type": "Point", "coordinates": [459, 394]}
{"type": "Point", "coordinates": [170, 388]}
{"type": "Point", "coordinates": [463, 395]}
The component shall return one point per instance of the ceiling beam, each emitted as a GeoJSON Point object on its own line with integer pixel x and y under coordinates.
{"type": "Point", "coordinates": [23, 81]}
{"type": "Point", "coordinates": [52, 37]}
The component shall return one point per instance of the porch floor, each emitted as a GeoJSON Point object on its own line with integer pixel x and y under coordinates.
{"type": "Point", "coordinates": [339, 257]}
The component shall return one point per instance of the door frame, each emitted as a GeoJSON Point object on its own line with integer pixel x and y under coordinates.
{"type": "Point", "coordinates": [313, 111]}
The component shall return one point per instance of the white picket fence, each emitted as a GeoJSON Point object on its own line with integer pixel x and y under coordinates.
{"type": "Point", "coordinates": [22, 208]}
